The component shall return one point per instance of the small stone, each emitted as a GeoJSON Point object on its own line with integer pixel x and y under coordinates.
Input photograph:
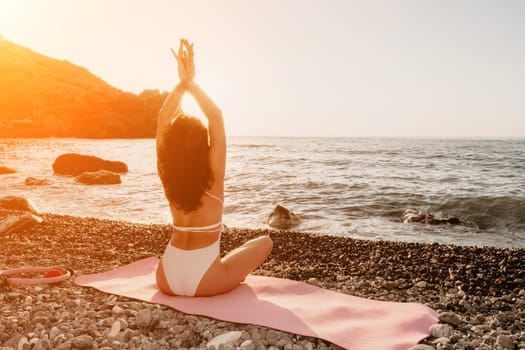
{"type": "Point", "coordinates": [314, 281]}
{"type": "Point", "coordinates": [117, 310]}
{"type": "Point", "coordinates": [185, 335]}
{"type": "Point", "coordinates": [65, 345]}
{"type": "Point", "coordinates": [464, 344]}
{"type": "Point", "coordinates": [422, 347]}
{"type": "Point", "coordinates": [164, 324]}
{"type": "Point", "coordinates": [450, 318]}
{"type": "Point", "coordinates": [147, 345]}
{"type": "Point", "coordinates": [54, 332]}
{"type": "Point", "coordinates": [441, 330]}
{"type": "Point", "coordinates": [272, 337]}
{"type": "Point", "coordinates": [40, 319]}
{"type": "Point", "coordinates": [480, 329]}
{"type": "Point", "coordinates": [245, 336]}
{"type": "Point", "coordinates": [23, 344]}
{"type": "Point", "coordinates": [282, 343]}
{"type": "Point", "coordinates": [505, 342]}
{"type": "Point", "coordinates": [82, 342]}
{"type": "Point", "coordinates": [126, 335]}
{"type": "Point", "coordinates": [115, 330]}
{"type": "Point", "coordinates": [224, 339]}
{"type": "Point", "coordinates": [143, 318]}
{"type": "Point", "coordinates": [38, 344]}
{"type": "Point", "coordinates": [123, 323]}
{"type": "Point", "coordinates": [455, 338]}
{"type": "Point", "coordinates": [248, 345]}
{"type": "Point", "coordinates": [421, 284]}
{"type": "Point", "coordinates": [199, 327]}
{"type": "Point", "coordinates": [115, 345]}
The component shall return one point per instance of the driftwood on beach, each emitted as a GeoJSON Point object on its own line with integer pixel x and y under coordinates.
{"type": "Point", "coordinates": [479, 291]}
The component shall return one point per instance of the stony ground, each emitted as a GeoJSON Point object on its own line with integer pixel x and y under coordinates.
{"type": "Point", "coordinates": [479, 292]}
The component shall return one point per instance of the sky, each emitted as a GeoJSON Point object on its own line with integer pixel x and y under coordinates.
{"type": "Point", "coordinates": [370, 68]}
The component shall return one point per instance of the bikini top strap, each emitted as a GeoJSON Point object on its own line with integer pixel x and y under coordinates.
{"type": "Point", "coordinates": [214, 197]}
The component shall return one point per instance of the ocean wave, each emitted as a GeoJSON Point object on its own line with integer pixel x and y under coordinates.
{"type": "Point", "coordinates": [487, 212]}
{"type": "Point", "coordinates": [256, 146]}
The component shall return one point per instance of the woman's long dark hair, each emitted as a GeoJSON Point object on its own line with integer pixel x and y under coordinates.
{"type": "Point", "coordinates": [183, 162]}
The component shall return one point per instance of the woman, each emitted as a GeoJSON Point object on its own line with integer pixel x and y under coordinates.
{"type": "Point", "coordinates": [191, 163]}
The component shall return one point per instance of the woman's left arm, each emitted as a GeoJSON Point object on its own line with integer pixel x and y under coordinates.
{"type": "Point", "coordinates": [170, 108]}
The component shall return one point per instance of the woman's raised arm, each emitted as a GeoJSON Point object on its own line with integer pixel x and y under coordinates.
{"type": "Point", "coordinates": [171, 105]}
{"type": "Point", "coordinates": [217, 134]}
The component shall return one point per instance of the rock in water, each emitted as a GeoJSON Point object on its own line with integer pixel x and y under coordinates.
{"type": "Point", "coordinates": [282, 218]}
{"type": "Point", "coordinates": [76, 164]}
{"type": "Point", "coordinates": [17, 203]}
{"type": "Point", "coordinates": [101, 177]}
{"type": "Point", "coordinates": [6, 170]}
{"type": "Point", "coordinates": [414, 215]}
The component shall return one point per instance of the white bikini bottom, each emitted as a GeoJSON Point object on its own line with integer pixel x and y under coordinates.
{"type": "Point", "coordinates": [184, 269]}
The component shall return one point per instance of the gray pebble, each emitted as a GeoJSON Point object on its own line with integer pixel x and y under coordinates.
{"type": "Point", "coordinates": [422, 347]}
{"type": "Point", "coordinates": [441, 330]}
{"type": "Point", "coordinates": [82, 342]}
{"type": "Point", "coordinates": [421, 284]}
{"type": "Point", "coordinates": [115, 330]}
{"type": "Point", "coordinates": [64, 346]}
{"type": "Point", "coordinates": [123, 323]}
{"type": "Point", "coordinates": [248, 345]}
{"type": "Point", "coordinates": [225, 339]}
{"type": "Point", "coordinates": [505, 342]}
{"type": "Point", "coordinates": [143, 318]}
{"type": "Point", "coordinates": [450, 318]}
{"type": "Point", "coordinates": [117, 310]}
{"type": "Point", "coordinates": [272, 337]}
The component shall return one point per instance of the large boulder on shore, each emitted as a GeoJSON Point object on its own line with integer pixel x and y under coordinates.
{"type": "Point", "coordinates": [101, 177]}
{"type": "Point", "coordinates": [12, 221]}
{"type": "Point", "coordinates": [415, 215]}
{"type": "Point", "coordinates": [6, 170]}
{"type": "Point", "coordinates": [17, 203]}
{"type": "Point", "coordinates": [282, 218]}
{"type": "Point", "coordinates": [76, 164]}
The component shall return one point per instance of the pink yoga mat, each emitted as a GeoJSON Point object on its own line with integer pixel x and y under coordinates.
{"type": "Point", "coordinates": [291, 306]}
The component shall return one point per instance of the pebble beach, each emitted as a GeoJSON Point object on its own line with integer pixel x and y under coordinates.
{"type": "Point", "coordinates": [479, 292]}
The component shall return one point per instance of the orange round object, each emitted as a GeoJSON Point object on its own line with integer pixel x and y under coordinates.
{"type": "Point", "coordinates": [54, 273]}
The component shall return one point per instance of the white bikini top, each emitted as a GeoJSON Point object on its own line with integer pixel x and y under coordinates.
{"type": "Point", "coordinates": [212, 227]}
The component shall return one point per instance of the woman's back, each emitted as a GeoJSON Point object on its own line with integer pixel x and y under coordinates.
{"type": "Point", "coordinates": [199, 228]}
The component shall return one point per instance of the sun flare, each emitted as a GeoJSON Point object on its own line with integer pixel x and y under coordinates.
{"type": "Point", "coordinates": [11, 14]}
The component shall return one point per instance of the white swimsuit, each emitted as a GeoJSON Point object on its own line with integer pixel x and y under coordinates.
{"type": "Point", "coordinates": [184, 269]}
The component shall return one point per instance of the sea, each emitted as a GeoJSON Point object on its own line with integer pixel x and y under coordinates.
{"type": "Point", "coordinates": [356, 187]}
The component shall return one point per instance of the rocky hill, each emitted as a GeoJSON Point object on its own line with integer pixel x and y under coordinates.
{"type": "Point", "coordinates": [44, 97]}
